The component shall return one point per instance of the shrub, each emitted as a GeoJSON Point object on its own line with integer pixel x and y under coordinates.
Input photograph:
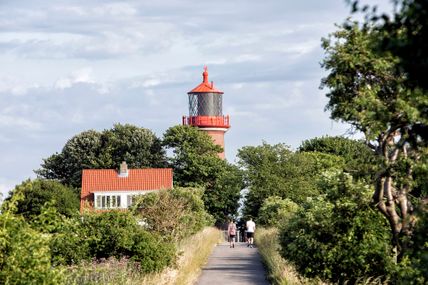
{"type": "Point", "coordinates": [40, 191]}
{"type": "Point", "coordinates": [338, 236]}
{"type": "Point", "coordinates": [276, 211]}
{"type": "Point", "coordinates": [117, 234]}
{"type": "Point", "coordinates": [24, 253]}
{"type": "Point", "coordinates": [68, 243]}
{"type": "Point", "coordinates": [174, 214]}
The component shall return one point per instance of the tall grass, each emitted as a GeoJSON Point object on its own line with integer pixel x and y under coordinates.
{"type": "Point", "coordinates": [279, 272]}
{"type": "Point", "coordinates": [193, 253]}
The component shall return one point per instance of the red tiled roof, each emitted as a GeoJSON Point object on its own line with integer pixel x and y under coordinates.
{"type": "Point", "coordinates": [94, 180]}
{"type": "Point", "coordinates": [205, 86]}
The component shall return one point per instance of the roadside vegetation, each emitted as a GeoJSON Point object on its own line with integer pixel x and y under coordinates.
{"type": "Point", "coordinates": [336, 210]}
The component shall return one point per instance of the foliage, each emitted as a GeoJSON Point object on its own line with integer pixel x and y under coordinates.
{"type": "Point", "coordinates": [195, 156]}
{"type": "Point", "coordinates": [360, 161]}
{"type": "Point", "coordinates": [40, 191]}
{"type": "Point", "coordinates": [91, 149]}
{"type": "Point", "coordinates": [366, 91]}
{"type": "Point", "coordinates": [194, 252]}
{"type": "Point", "coordinates": [405, 35]}
{"type": "Point", "coordinates": [279, 271]}
{"type": "Point", "coordinates": [176, 213]}
{"type": "Point", "coordinates": [117, 234]}
{"type": "Point", "coordinates": [221, 200]}
{"type": "Point", "coordinates": [414, 267]}
{"type": "Point", "coordinates": [196, 163]}
{"type": "Point", "coordinates": [68, 241]}
{"type": "Point", "coordinates": [337, 236]}
{"type": "Point", "coordinates": [24, 253]}
{"type": "Point", "coordinates": [273, 170]}
{"type": "Point", "coordinates": [276, 211]}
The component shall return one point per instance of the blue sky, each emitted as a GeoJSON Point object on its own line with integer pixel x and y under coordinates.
{"type": "Point", "coordinates": [69, 66]}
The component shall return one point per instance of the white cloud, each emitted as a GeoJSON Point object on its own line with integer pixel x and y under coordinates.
{"type": "Point", "coordinates": [79, 76]}
{"type": "Point", "coordinates": [70, 66]}
{"type": "Point", "coordinates": [18, 122]}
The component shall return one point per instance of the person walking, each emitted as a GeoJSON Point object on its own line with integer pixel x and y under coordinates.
{"type": "Point", "coordinates": [251, 228]}
{"type": "Point", "coordinates": [231, 232]}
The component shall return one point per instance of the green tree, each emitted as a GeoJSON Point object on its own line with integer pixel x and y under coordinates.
{"type": "Point", "coordinates": [365, 91]}
{"type": "Point", "coordinates": [38, 192]}
{"type": "Point", "coordinates": [262, 173]}
{"type": "Point", "coordinates": [139, 147]}
{"type": "Point", "coordinates": [221, 200]}
{"type": "Point", "coordinates": [195, 156]}
{"type": "Point", "coordinates": [196, 162]}
{"type": "Point", "coordinates": [360, 160]}
{"type": "Point", "coordinates": [405, 35]}
{"type": "Point", "coordinates": [274, 170]}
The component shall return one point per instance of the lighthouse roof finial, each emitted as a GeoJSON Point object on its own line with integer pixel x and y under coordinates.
{"type": "Point", "coordinates": [205, 74]}
{"type": "Point", "coordinates": [205, 86]}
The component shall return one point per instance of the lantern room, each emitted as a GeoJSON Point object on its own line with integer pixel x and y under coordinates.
{"type": "Point", "coordinates": [206, 110]}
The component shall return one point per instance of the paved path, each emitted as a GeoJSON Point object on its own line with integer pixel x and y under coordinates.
{"type": "Point", "coordinates": [233, 266]}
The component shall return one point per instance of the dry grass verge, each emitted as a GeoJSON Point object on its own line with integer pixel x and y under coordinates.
{"type": "Point", "coordinates": [279, 272]}
{"type": "Point", "coordinates": [193, 254]}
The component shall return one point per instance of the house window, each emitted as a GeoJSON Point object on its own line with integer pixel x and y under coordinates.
{"type": "Point", "coordinates": [107, 201]}
{"type": "Point", "coordinates": [131, 199]}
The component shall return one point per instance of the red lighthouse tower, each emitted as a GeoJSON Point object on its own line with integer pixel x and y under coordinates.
{"type": "Point", "coordinates": [205, 110]}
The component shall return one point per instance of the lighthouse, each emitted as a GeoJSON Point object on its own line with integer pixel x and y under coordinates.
{"type": "Point", "coordinates": [205, 111]}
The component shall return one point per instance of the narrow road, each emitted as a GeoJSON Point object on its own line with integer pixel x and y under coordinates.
{"type": "Point", "coordinates": [233, 266]}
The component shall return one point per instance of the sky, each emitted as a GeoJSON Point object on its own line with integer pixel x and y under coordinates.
{"type": "Point", "coordinates": [69, 66]}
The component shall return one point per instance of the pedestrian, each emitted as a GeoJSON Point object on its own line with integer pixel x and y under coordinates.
{"type": "Point", "coordinates": [251, 228]}
{"type": "Point", "coordinates": [231, 232]}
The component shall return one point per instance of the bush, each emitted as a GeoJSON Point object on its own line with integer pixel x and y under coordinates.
{"type": "Point", "coordinates": [276, 211]}
{"type": "Point", "coordinates": [338, 236]}
{"type": "Point", "coordinates": [68, 243]}
{"type": "Point", "coordinates": [38, 192]}
{"type": "Point", "coordinates": [117, 234]}
{"type": "Point", "coordinates": [174, 214]}
{"type": "Point", "coordinates": [24, 253]}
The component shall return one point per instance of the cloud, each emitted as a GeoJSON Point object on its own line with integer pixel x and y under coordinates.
{"type": "Point", "coordinates": [70, 66]}
{"type": "Point", "coordinates": [79, 76]}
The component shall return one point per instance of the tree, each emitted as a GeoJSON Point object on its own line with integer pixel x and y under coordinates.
{"type": "Point", "coordinates": [274, 170]}
{"type": "Point", "coordinates": [195, 156]}
{"type": "Point", "coordinates": [262, 173]}
{"type": "Point", "coordinates": [38, 192]}
{"type": "Point", "coordinates": [405, 35]}
{"type": "Point", "coordinates": [196, 162]}
{"type": "Point", "coordinates": [365, 91]}
{"type": "Point", "coordinates": [221, 200]}
{"type": "Point", "coordinates": [360, 160]}
{"type": "Point", "coordinates": [139, 147]}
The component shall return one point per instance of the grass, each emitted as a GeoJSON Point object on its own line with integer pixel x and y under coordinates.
{"type": "Point", "coordinates": [193, 254]}
{"type": "Point", "coordinates": [279, 271]}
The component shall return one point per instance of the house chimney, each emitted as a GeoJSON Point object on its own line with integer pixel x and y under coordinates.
{"type": "Point", "coordinates": [123, 170]}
